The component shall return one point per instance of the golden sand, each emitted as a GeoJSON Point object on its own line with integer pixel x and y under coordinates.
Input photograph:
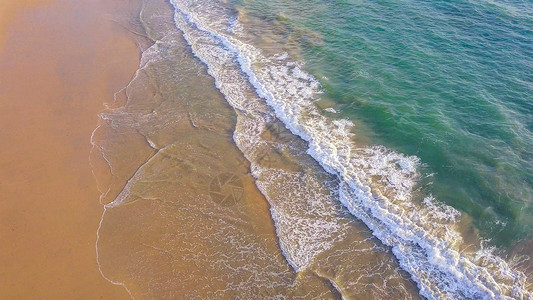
{"type": "Point", "coordinates": [59, 61]}
{"type": "Point", "coordinates": [9, 9]}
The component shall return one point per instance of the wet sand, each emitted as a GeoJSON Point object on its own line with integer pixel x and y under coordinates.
{"type": "Point", "coordinates": [59, 62]}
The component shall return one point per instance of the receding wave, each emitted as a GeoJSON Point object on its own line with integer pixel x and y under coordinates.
{"type": "Point", "coordinates": [376, 184]}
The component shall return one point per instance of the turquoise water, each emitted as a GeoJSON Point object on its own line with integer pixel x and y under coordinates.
{"type": "Point", "coordinates": [448, 81]}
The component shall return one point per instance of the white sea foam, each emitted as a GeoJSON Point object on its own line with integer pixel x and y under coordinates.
{"type": "Point", "coordinates": [376, 183]}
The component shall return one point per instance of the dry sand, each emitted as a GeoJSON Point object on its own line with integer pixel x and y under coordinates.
{"type": "Point", "coordinates": [59, 61]}
{"type": "Point", "coordinates": [9, 9]}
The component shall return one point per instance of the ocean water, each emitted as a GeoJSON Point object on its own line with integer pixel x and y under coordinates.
{"type": "Point", "coordinates": [389, 141]}
{"type": "Point", "coordinates": [448, 81]}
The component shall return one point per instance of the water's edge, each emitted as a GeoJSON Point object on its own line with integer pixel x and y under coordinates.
{"type": "Point", "coordinates": [374, 184]}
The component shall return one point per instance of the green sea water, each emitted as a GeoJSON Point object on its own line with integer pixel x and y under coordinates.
{"type": "Point", "coordinates": [448, 81]}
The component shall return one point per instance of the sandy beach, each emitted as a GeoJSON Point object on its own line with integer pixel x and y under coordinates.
{"type": "Point", "coordinates": [60, 61]}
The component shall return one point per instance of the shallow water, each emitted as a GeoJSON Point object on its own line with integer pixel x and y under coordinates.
{"type": "Point", "coordinates": [232, 173]}
{"type": "Point", "coordinates": [184, 217]}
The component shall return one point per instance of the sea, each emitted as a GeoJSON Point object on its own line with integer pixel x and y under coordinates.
{"type": "Point", "coordinates": [311, 149]}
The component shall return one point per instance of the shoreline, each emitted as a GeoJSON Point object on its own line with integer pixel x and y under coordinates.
{"type": "Point", "coordinates": [53, 90]}
{"type": "Point", "coordinates": [194, 178]}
